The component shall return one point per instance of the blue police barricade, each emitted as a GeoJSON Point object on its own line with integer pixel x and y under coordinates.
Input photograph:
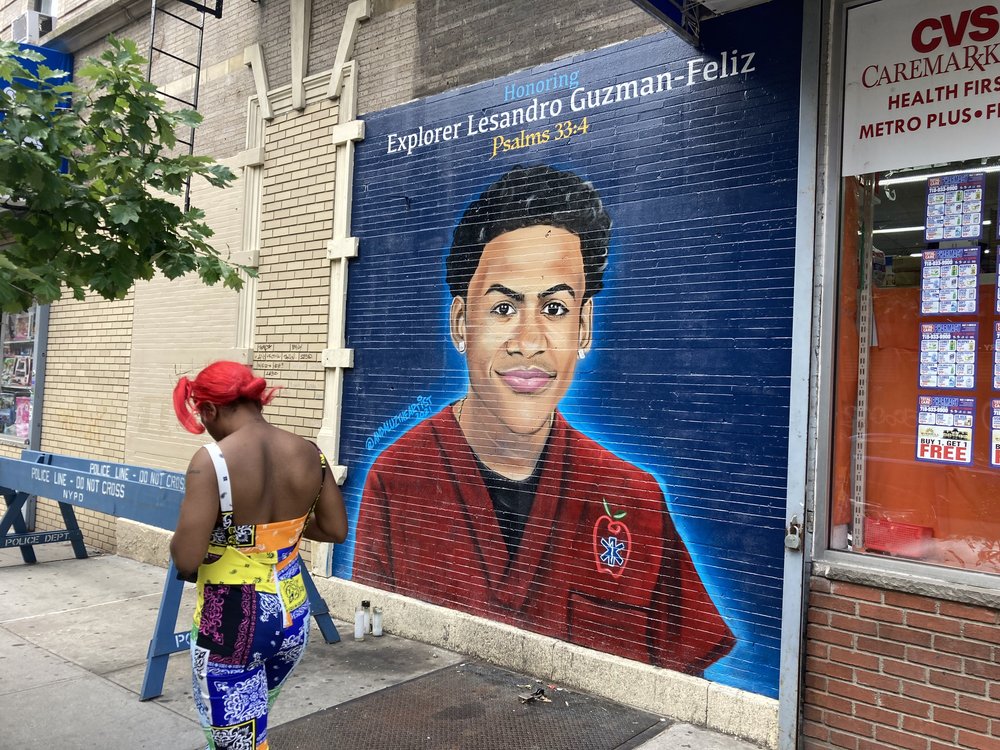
{"type": "Point", "coordinates": [136, 493]}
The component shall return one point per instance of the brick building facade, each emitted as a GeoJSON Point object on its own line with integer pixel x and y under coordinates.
{"type": "Point", "coordinates": [891, 669]}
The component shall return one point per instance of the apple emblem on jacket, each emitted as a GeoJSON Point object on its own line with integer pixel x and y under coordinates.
{"type": "Point", "coordinates": [612, 542]}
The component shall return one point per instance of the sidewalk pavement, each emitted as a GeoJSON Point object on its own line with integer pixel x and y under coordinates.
{"type": "Point", "coordinates": [73, 641]}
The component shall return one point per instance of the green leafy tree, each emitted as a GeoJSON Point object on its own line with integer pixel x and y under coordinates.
{"type": "Point", "coordinates": [90, 182]}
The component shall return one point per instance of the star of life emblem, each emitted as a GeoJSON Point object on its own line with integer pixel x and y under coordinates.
{"type": "Point", "coordinates": [612, 555]}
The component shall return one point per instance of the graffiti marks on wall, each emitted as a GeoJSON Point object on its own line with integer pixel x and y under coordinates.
{"type": "Point", "coordinates": [271, 360]}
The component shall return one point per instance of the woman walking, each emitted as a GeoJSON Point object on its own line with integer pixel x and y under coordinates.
{"type": "Point", "coordinates": [250, 498]}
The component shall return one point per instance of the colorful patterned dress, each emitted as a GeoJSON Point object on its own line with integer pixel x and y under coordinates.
{"type": "Point", "coordinates": [251, 623]}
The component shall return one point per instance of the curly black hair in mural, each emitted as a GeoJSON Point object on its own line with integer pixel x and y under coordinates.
{"type": "Point", "coordinates": [526, 197]}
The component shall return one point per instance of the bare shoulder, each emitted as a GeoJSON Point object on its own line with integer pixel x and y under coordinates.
{"type": "Point", "coordinates": [292, 444]}
{"type": "Point", "coordinates": [294, 458]}
{"type": "Point", "coordinates": [200, 471]}
{"type": "Point", "coordinates": [200, 462]}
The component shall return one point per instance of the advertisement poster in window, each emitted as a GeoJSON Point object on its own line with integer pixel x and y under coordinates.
{"type": "Point", "coordinates": [955, 207]}
{"type": "Point", "coordinates": [995, 433]}
{"type": "Point", "coordinates": [944, 429]}
{"type": "Point", "coordinates": [948, 355]}
{"type": "Point", "coordinates": [949, 281]}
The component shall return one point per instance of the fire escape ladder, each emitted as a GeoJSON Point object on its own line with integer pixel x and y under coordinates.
{"type": "Point", "coordinates": [176, 41]}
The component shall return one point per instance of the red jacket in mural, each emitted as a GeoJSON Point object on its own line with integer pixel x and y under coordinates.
{"type": "Point", "coordinates": [600, 563]}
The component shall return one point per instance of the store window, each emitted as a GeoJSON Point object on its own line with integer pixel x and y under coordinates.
{"type": "Point", "coordinates": [19, 345]}
{"type": "Point", "coordinates": [916, 443]}
{"type": "Point", "coordinates": [917, 426]}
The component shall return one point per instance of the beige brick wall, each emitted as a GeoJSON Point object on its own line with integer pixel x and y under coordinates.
{"type": "Point", "coordinates": [324, 34]}
{"type": "Point", "coordinates": [123, 411]}
{"type": "Point", "coordinates": [293, 298]}
{"type": "Point", "coordinates": [85, 407]}
{"type": "Point", "coordinates": [180, 326]}
{"type": "Point", "coordinates": [8, 10]}
{"type": "Point", "coordinates": [226, 83]}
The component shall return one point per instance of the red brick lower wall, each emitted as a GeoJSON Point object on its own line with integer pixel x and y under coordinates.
{"type": "Point", "coordinates": [892, 670]}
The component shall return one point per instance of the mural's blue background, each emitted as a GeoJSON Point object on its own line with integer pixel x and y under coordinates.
{"type": "Point", "coordinates": [689, 377]}
{"type": "Point", "coordinates": [52, 58]}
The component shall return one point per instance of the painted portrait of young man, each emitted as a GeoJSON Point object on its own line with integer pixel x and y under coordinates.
{"type": "Point", "coordinates": [497, 505]}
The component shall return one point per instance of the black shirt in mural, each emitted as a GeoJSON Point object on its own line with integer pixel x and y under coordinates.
{"type": "Point", "coordinates": [512, 501]}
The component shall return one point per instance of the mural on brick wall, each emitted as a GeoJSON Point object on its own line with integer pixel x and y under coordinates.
{"type": "Point", "coordinates": [571, 318]}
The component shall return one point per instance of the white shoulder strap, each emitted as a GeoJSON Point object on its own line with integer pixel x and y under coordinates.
{"type": "Point", "coordinates": [222, 475]}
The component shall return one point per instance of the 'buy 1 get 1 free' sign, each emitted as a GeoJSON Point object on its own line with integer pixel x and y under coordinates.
{"type": "Point", "coordinates": [944, 429]}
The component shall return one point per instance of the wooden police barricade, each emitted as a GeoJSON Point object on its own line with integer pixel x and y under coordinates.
{"type": "Point", "coordinates": [136, 493]}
